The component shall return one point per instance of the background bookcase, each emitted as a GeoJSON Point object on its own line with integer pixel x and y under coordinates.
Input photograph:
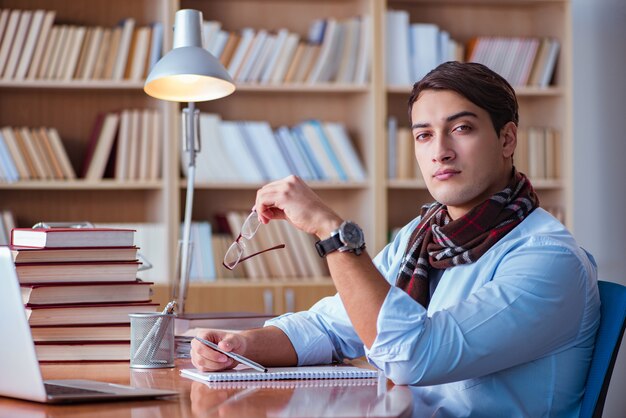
{"type": "Point", "coordinates": [377, 204]}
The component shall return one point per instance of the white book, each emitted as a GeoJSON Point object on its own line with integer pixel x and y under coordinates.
{"type": "Point", "coordinates": [345, 150]}
{"type": "Point", "coordinates": [128, 26]}
{"type": "Point", "coordinates": [277, 49]}
{"type": "Point", "coordinates": [74, 49]}
{"type": "Point", "coordinates": [132, 161]}
{"type": "Point", "coordinates": [397, 66]}
{"type": "Point", "coordinates": [13, 41]}
{"type": "Point", "coordinates": [247, 35]}
{"type": "Point", "coordinates": [307, 153]}
{"type": "Point", "coordinates": [30, 44]}
{"type": "Point", "coordinates": [210, 28]}
{"type": "Point", "coordinates": [92, 53]}
{"type": "Point", "coordinates": [154, 172]}
{"type": "Point", "coordinates": [321, 69]}
{"type": "Point", "coordinates": [42, 41]}
{"type": "Point", "coordinates": [263, 142]}
{"type": "Point", "coordinates": [239, 153]}
{"type": "Point", "coordinates": [4, 18]}
{"type": "Point", "coordinates": [285, 58]}
{"type": "Point", "coordinates": [61, 153]}
{"type": "Point", "coordinates": [252, 55]}
{"type": "Point", "coordinates": [425, 38]}
{"type": "Point", "coordinates": [145, 144]}
{"type": "Point", "coordinates": [222, 168]}
{"type": "Point", "coordinates": [140, 53]}
{"type": "Point", "coordinates": [362, 70]}
{"type": "Point", "coordinates": [57, 48]}
{"type": "Point", "coordinates": [261, 61]}
{"type": "Point", "coordinates": [548, 70]}
{"type": "Point", "coordinates": [219, 44]}
{"type": "Point", "coordinates": [104, 145]}
{"type": "Point", "coordinates": [345, 73]}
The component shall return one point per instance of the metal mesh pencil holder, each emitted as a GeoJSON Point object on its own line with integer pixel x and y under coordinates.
{"type": "Point", "coordinates": [151, 340]}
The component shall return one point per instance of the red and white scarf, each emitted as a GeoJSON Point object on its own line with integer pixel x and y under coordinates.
{"type": "Point", "coordinates": [439, 242]}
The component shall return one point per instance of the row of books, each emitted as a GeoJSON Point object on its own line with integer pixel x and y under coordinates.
{"type": "Point", "coordinates": [78, 286]}
{"type": "Point", "coordinates": [33, 153]}
{"type": "Point", "coordinates": [210, 243]}
{"type": "Point", "coordinates": [538, 153]}
{"type": "Point", "coordinates": [413, 49]}
{"type": "Point", "coordinates": [7, 223]}
{"type": "Point", "coordinates": [33, 47]}
{"type": "Point", "coordinates": [250, 151]}
{"type": "Point", "coordinates": [130, 141]}
{"type": "Point", "coordinates": [334, 51]}
{"type": "Point", "coordinates": [521, 61]}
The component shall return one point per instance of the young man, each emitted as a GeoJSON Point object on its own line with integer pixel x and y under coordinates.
{"type": "Point", "coordinates": [484, 302]}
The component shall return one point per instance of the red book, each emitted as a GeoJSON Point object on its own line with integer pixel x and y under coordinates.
{"type": "Point", "coordinates": [110, 271]}
{"type": "Point", "coordinates": [72, 237]}
{"type": "Point", "coordinates": [100, 313]}
{"type": "Point", "coordinates": [69, 255]}
{"type": "Point", "coordinates": [88, 292]}
{"type": "Point", "coordinates": [83, 351]}
{"type": "Point", "coordinates": [93, 143]}
{"type": "Point", "coordinates": [85, 332]}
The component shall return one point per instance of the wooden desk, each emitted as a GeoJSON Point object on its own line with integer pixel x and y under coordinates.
{"type": "Point", "coordinates": [297, 398]}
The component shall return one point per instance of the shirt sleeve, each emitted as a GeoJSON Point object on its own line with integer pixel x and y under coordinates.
{"type": "Point", "coordinates": [516, 317]}
{"type": "Point", "coordinates": [324, 333]}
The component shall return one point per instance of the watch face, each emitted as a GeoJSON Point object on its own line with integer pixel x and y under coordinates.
{"type": "Point", "coordinates": [351, 235]}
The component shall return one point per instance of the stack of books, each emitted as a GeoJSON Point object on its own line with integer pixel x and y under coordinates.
{"type": "Point", "coordinates": [78, 287]}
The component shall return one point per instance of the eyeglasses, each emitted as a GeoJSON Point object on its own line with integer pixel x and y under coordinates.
{"type": "Point", "coordinates": [235, 251]}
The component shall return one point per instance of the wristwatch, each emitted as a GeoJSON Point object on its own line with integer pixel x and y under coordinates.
{"type": "Point", "coordinates": [348, 237]}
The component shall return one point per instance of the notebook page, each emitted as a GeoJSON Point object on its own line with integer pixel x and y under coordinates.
{"type": "Point", "coordinates": [282, 373]}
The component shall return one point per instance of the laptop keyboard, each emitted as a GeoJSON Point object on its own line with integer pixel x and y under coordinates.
{"type": "Point", "coordinates": [55, 390]}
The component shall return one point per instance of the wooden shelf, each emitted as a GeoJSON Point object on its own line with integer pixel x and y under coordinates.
{"type": "Point", "coordinates": [106, 184]}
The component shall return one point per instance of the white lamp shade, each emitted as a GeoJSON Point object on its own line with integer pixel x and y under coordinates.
{"type": "Point", "coordinates": [188, 73]}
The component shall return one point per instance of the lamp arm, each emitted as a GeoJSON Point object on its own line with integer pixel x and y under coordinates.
{"type": "Point", "coordinates": [191, 136]}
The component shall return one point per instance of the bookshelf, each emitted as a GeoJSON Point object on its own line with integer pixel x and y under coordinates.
{"type": "Point", "coordinates": [377, 204]}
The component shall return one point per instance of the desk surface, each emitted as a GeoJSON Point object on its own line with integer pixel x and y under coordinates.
{"type": "Point", "coordinates": [339, 397]}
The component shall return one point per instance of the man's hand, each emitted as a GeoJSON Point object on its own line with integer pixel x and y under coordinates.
{"type": "Point", "coordinates": [206, 359]}
{"type": "Point", "coordinates": [291, 199]}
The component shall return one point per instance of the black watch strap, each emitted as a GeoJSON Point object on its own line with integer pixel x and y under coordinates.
{"type": "Point", "coordinates": [328, 245]}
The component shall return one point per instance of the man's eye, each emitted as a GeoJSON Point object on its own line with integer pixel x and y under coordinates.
{"type": "Point", "coordinates": [421, 137]}
{"type": "Point", "coordinates": [462, 128]}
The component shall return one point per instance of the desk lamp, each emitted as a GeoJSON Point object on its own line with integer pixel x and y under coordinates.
{"type": "Point", "coordinates": [188, 73]}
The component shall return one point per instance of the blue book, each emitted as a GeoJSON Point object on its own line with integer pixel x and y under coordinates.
{"type": "Point", "coordinates": [332, 156]}
{"type": "Point", "coordinates": [307, 153]}
{"type": "Point", "coordinates": [6, 161]}
{"type": "Point", "coordinates": [284, 137]}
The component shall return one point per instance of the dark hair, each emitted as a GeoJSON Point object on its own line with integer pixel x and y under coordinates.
{"type": "Point", "coordinates": [478, 84]}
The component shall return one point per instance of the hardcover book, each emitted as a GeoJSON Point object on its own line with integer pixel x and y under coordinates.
{"type": "Point", "coordinates": [72, 237]}
{"type": "Point", "coordinates": [87, 292]}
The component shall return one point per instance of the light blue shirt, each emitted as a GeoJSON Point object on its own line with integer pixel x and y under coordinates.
{"type": "Point", "coordinates": [509, 335]}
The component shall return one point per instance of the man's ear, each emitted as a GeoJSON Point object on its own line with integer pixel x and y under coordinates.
{"type": "Point", "coordinates": [508, 138]}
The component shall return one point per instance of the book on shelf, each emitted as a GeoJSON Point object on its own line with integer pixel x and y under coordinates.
{"type": "Point", "coordinates": [85, 332]}
{"type": "Point", "coordinates": [101, 144]}
{"type": "Point", "coordinates": [87, 271]}
{"type": "Point", "coordinates": [11, 27]}
{"type": "Point", "coordinates": [111, 313]}
{"type": "Point", "coordinates": [72, 237]}
{"type": "Point", "coordinates": [40, 46]}
{"type": "Point", "coordinates": [53, 351]}
{"type": "Point", "coordinates": [121, 57]}
{"type": "Point", "coordinates": [65, 254]}
{"type": "Point", "coordinates": [85, 292]}
{"type": "Point", "coordinates": [17, 44]}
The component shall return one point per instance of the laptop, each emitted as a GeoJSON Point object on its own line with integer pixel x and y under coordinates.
{"type": "Point", "coordinates": [19, 361]}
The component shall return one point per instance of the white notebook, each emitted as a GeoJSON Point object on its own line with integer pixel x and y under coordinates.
{"type": "Point", "coordinates": [282, 373]}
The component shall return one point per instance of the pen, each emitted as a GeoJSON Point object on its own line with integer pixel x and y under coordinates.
{"type": "Point", "coordinates": [241, 359]}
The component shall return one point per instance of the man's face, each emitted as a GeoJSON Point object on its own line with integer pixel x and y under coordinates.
{"type": "Point", "coordinates": [461, 157]}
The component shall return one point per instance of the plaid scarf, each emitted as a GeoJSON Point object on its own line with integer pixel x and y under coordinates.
{"type": "Point", "coordinates": [440, 242]}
